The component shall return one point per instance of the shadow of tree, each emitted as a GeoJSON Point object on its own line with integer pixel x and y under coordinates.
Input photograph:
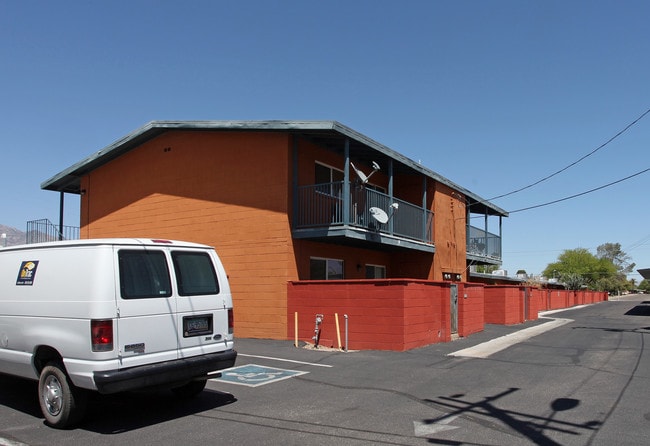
{"type": "Point", "coordinates": [531, 426]}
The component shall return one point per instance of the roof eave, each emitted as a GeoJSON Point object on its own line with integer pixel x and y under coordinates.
{"type": "Point", "coordinates": [69, 180]}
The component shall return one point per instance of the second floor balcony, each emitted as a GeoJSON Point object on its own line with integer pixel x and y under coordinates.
{"type": "Point", "coordinates": [325, 210]}
{"type": "Point", "coordinates": [483, 245]}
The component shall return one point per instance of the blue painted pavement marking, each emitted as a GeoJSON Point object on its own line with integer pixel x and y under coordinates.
{"type": "Point", "coordinates": [253, 375]}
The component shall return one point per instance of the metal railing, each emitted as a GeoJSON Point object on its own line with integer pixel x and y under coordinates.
{"type": "Point", "coordinates": [45, 231]}
{"type": "Point", "coordinates": [322, 205]}
{"type": "Point", "coordinates": [484, 244]}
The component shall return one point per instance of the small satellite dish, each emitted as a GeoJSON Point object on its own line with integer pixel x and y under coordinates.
{"type": "Point", "coordinates": [362, 176]}
{"type": "Point", "coordinates": [379, 214]}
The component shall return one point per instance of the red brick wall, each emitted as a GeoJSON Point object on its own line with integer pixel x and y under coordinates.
{"type": "Point", "coordinates": [471, 308]}
{"type": "Point", "coordinates": [382, 314]}
{"type": "Point", "coordinates": [401, 314]}
{"type": "Point", "coordinates": [502, 305]}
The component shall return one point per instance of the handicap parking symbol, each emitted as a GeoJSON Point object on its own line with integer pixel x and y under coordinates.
{"type": "Point", "coordinates": [253, 375]}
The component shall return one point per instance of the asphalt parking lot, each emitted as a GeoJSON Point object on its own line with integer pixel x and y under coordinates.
{"type": "Point", "coordinates": [582, 382]}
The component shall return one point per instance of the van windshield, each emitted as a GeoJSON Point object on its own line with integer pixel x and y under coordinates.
{"type": "Point", "coordinates": [143, 274]}
{"type": "Point", "coordinates": [194, 273]}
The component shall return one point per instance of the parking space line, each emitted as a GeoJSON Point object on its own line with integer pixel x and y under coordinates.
{"type": "Point", "coordinates": [284, 360]}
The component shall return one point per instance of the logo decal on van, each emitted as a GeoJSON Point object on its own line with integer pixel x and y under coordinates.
{"type": "Point", "coordinates": [27, 272]}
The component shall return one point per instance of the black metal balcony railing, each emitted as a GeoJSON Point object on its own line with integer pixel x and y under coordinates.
{"type": "Point", "coordinates": [483, 244]}
{"type": "Point", "coordinates": [45, 231]}
{"type": "Point", "coordinates": [322, 205]}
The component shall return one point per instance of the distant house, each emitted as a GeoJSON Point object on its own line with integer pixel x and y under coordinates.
{"type": "Point", "coordinates": [285, 202]}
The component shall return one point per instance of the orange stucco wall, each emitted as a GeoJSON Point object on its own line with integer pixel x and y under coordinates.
{"type": "Point", "coordinates": [449, 233]}
{"type": "Point", "coordinates": [228, 190]}
{"type": "Point", "coordinates": [233, 190]}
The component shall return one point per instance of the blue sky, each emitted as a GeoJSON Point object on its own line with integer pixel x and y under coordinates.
{"type": "Point", "coordinates": [493, 95]}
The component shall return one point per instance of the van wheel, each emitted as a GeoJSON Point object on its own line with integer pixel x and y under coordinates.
{"type": "Point", "coordinates": [191, 389]}
{"type": "Point", "coordinates": [61, 402]}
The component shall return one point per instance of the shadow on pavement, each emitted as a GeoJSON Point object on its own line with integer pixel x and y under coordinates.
{"type": "Point", "coordinates": [640, 310]}
{"type": "Point", "coordinates": [113, 414]}
{"type": "Point", "coordinates": [533, 427]}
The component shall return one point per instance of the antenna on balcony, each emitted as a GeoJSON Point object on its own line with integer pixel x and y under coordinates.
{"type": "Point", "coordinates": [381, 216]}
{"type": "Point", "coordinates": [362, 176]}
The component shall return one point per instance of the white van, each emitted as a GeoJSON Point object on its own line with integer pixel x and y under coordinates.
{"type": "Point", "coordinates": [112, 315]}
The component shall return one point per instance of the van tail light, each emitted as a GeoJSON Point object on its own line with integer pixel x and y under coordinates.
{"type": "Point", "coordinates": [101, 335]}
{"type": "Point", "coordinates": [231, 321]}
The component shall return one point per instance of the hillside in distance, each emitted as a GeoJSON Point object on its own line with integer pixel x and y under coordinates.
{"type": "Point", "coordinates": [14, 236]}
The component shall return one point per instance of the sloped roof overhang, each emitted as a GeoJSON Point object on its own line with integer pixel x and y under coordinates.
{"type": "Point", "coordinates": [330, 134]}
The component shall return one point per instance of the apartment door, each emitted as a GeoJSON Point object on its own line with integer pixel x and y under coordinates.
{"type": "Point", "coordinates": [454, 308]}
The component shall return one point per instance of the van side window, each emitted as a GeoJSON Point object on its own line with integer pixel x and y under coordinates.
{"type": "Point", "coordinates": [194, 273]}
{"type": "Point", "coordinates": [143, 274]}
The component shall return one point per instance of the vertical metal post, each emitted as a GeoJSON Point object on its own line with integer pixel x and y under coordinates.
{"type": "Point", "coordinates": [424, 208]}
{"type": "Point", "coordinates": [346, 332]}
{"type": "Point", "coordinates": [346, 183]}
{"type": "Point", "coordinates": [61, 216]}
{"type": "Point", "coordinates": [295, 201]}
{"type": "Point", "coordinates": [500, 237]}
{"type": "Point", "coordinates": [486, 234]}
{"type": "Point", "coordinates": [390, 194]}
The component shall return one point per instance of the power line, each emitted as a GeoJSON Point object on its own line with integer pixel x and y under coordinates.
{"type": "Point", "coordinates": [580, 194]}
{"type": "Point", "coordinates": [575, 162]}
{"type": "Point", "coordinates": [638, 243]}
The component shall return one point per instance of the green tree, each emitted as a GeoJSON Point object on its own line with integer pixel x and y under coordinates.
{"type": "Point", "coordinates": [623, 264]}
{"type": "Point", "coordinates": [645, 286]}
{"type": "Point", "coordinates": [617, 256]}
{"type": "Point", "coordinates": [578, 268]}
{"type": "Point", "coordinates": [486, 269]}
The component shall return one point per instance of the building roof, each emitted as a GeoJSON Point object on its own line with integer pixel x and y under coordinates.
{"type": "Point", "coordinates": [645, 273]}
{"type": "Point", "coordinates": [330, 134]}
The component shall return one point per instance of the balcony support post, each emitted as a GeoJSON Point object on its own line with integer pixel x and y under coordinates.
{"type": "Point", "coordinates": [61, 208]}
{"type": "Point", "coordinates": [486, 235]}
{"type": "Point", "coordinates": [346, 183]}
{"type": "Point", "coordinates": [500, 237]}
{"type": "Point", "coordinates": [424, 207]}
{"type": "Point", "coordinates": [295, 198]}
{"type": "Point", "coordinates": [390, 195]}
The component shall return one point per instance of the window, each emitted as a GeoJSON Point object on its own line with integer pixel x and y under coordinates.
{"type": "Point", "coordinates": [143, 274]}
{"type": "Point", "coordinates": [329, 178]}
{"type": "Point", "coordinates": [375, 272]}
{"type": "Point", "coordinates": [194, 273]}
{"type": "Point", "coordinates": [327, 174]}
{"type": "Point", "coordinates": [325, 269]}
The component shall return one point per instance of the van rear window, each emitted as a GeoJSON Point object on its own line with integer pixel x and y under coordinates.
{"type": "Point", "coordinates": [143, 274]}
{"type": "Point", "coordinates": [195, 273]}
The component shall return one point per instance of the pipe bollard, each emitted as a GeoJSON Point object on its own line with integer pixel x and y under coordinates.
{"type": "Point", "coordinates": [345, 316]}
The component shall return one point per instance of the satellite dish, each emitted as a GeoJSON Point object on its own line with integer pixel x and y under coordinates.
{"type": "Point", "coordinates": [362, 176]}
{"type": "Point", "coordinates": [379, 214]}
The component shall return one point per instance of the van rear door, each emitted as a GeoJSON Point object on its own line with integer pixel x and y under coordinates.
{"type": "Point", "coordinates": [147, 329]}
{"type": "Point", "coordinates": [203, 302]}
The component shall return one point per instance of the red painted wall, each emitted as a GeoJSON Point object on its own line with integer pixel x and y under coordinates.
{"type": "Point", "coordinates": [505, 304]}
{"type": "Point", "coordinates": [382, 314]}
{"type": "Point", "coordinates": [471, 308]}
{"type": "Point", "coordinates": [402, 314]}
